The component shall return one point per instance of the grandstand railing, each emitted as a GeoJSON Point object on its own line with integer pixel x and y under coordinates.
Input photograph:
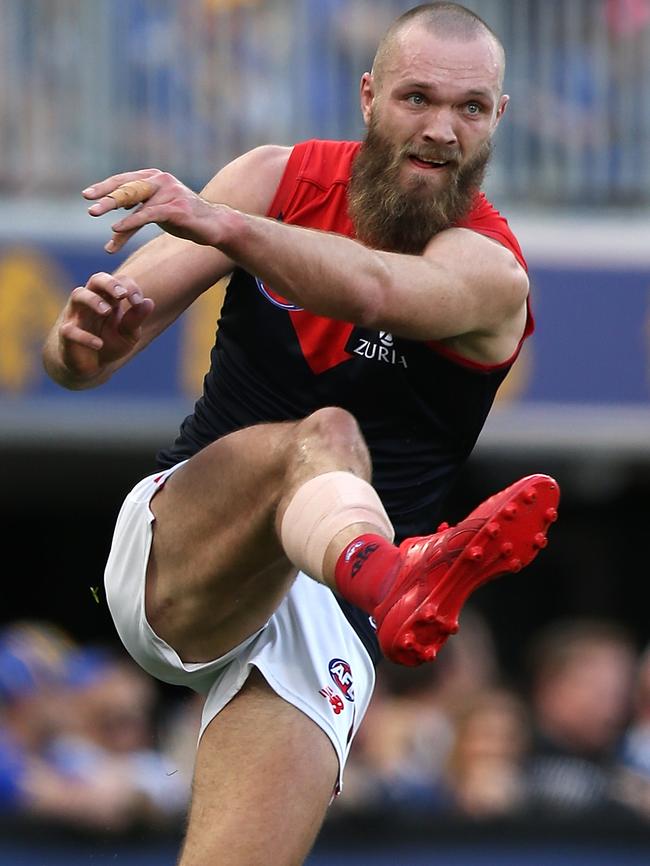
{"type": "Point", "coordinates": [93, 87]}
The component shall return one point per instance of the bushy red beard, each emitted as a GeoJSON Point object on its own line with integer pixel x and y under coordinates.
{"type": "Point", "coordinates": [389, 215]}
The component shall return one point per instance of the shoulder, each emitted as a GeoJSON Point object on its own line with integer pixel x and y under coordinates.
{"type": "Point", "coordinates": [323, 162]}
{"type": "Point", "coordinates": [486, 220]}
{"type": "Point", "coordinates": [249, 182]}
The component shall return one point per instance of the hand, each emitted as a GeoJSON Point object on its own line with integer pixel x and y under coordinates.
{"type": "Point", "coordinates": [101, 323]}
{"type": "Point", "coordinates": [160, 199]}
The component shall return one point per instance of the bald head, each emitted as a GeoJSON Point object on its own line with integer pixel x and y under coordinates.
{"type": "Point", "coordinates": [445, 20]}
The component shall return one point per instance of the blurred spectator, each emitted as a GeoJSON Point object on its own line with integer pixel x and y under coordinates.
{"type": "Point", "coordinates": [166, 82]}
{"type": "Point", "coordinates": [399, 757]}
{"type": "Point", "coordinates": [337, 40]}
{"type": "Point", "coordinates": [112, 733]}
{"type": "Point", "coordinates": [32, 669]}
{"type": "Point", "coordinates": [73, 746]}
{"type": "Point", "coordinates": [634, 773]}
{"type": "Point", "coordinates": [577, 77]}
{"type": "Point", "coordinates": [580, 690]}
{"type": "Point", "coordinates": [485, 773]}
{"type": "Point", "coordinates": [627, 25]}
{"type": "Point", "coordinates": [627, 17]}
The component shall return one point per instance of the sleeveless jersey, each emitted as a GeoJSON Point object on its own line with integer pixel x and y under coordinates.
{"type": "Point", "coordinates": [420, 406]}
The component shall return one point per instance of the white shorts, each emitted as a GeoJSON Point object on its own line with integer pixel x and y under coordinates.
{"type": "Point", "coordinates": [308, 652]}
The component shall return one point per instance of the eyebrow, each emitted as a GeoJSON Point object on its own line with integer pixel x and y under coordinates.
{"type": "Point", "coordinates": [474, 93]}
{"type": "Point", "coordinates": [480, 94]}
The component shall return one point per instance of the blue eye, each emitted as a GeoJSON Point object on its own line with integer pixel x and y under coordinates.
{"type": "Point", "coordinates": [415, 98]}
{"type": "Point", "coordinates": [474, 108]}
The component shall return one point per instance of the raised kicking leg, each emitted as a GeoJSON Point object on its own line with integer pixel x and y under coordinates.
{"type": "Point", "coordinates": [217, 569]}
{"type": "Point", "coordinates": [235, 522]}
{"type": "Point", "coordinates": [231, 528]}
{"type": "Point", "coordinates": [416, 591]}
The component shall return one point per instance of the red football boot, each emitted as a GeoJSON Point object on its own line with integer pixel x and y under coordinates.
{"type": "Point", "coordinates": [439, 572]}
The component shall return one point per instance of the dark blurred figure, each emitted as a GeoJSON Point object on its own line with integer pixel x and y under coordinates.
{"type": "Point", "coordinates": [486, 771]}
{"type": "Point", "coordinates": [399, 759]}
{"type": "Point", "coordinates": [581, 686]}
{"type": "Point", "coordinates": [634, 772]}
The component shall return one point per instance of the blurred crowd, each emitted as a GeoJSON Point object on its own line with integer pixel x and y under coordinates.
{"type": "Point", "coordinates": [568, 737]}
{"type": "Point", "coordinates": [84, 739]}
{"type": "Point", "coordinates": [188, 86]}
{"type": "Point", "coordinates": [87, 740]}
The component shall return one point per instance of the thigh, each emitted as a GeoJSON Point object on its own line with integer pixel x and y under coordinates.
{"type": "Point", "coordinates": [216, 570]}
{"type": "Point", "coordinates": [264, 777]}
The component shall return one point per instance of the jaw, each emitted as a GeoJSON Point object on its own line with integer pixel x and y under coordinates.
{"type": "Point", "coordinates": [414, 171]}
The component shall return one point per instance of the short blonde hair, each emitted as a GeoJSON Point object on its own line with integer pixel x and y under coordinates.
{"type": "Point", "coordinates": [449, 20]}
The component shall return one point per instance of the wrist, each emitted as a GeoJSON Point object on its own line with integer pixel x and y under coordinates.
{"type": "Point", "coordinates": [231, 229]}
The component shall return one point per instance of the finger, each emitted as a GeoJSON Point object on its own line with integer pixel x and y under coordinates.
{"type": "Point", "coordinates": [104, 293]}
{"type": "Point", "coordinates": [118, 240]}
{"type": "Point", "coordinates": [127, 195]}
{"type": "Point", "coordinates": [72, 333]}
{"type": "Point", "coordinates": [114, 287]}
{"type": "Point", "coordinates": [132, 193]}
{"type": "Point", "coordinates": [134, 317]}
{"type": "Point", "coordinates": [82, 296]}
{"type": "Point", "coordinates": [103, 187]}
{"type": "Point", "coordinates": [125, 228]}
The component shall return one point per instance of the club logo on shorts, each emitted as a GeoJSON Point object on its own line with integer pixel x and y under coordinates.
{"type": "Point", "coordinates": [341, 673]}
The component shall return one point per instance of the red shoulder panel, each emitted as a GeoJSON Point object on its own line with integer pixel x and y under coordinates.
{"type": "Point", "coordinates": [485, 219]}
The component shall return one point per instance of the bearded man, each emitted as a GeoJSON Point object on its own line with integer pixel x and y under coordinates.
{"type": "Point", "coordinates": [377, 300]}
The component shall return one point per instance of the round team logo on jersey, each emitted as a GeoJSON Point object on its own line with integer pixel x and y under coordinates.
{"type": "Point", "coordinates": [274, 298]}
{"type": "Point", "coordinates": [341, 673]}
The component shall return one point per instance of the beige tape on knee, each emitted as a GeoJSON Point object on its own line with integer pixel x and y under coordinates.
{"type": "Point", "coordinates": [320, 509]}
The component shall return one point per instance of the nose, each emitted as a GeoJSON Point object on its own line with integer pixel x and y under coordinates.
{"type": "Point", "coordinates": [439, 127]}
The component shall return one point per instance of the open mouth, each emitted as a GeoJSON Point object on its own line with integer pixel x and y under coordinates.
{"type": "Point", "coordinates": [429, 164]}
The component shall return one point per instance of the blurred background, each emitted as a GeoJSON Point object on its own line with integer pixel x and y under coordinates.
{"type": "Point", "coordinates": [529, 740]}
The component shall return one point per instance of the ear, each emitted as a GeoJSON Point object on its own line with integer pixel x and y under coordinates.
{"type": "Point", "coordinates": [503, 104]}
{"type": "Point", "coordinates": [367, 96]}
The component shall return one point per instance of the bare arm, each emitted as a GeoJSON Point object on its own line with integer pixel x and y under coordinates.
{"type": "Point", "coordinates": [114, 316]}
{"type": "Point", "coordinates": [465, 289]}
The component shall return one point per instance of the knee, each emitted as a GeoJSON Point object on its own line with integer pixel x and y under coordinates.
{"type": "Point", "coordinates": [333, 434]}
{"type": "Point", "coordinates": [332, 428]}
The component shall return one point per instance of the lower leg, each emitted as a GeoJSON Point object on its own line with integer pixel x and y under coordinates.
{"type": "Point", "coordinates": [414, 592]}
{"type": "Point", "coordinates": [264, 777]}
{"type": "Point", "coordinates": [322, 513]}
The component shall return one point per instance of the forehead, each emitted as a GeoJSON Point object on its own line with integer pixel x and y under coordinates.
{"type": "Point", "coordinates": [418, 54]}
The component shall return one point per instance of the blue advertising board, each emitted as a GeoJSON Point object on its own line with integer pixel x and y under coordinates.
{"type": "Point", "coordinates": [591, 345]}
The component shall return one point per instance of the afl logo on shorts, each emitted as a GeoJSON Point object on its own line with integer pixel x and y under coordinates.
{"type": "Point", "coordinates": [274, 298]}
{"type": "Point", "coordinates": [341, 673]}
